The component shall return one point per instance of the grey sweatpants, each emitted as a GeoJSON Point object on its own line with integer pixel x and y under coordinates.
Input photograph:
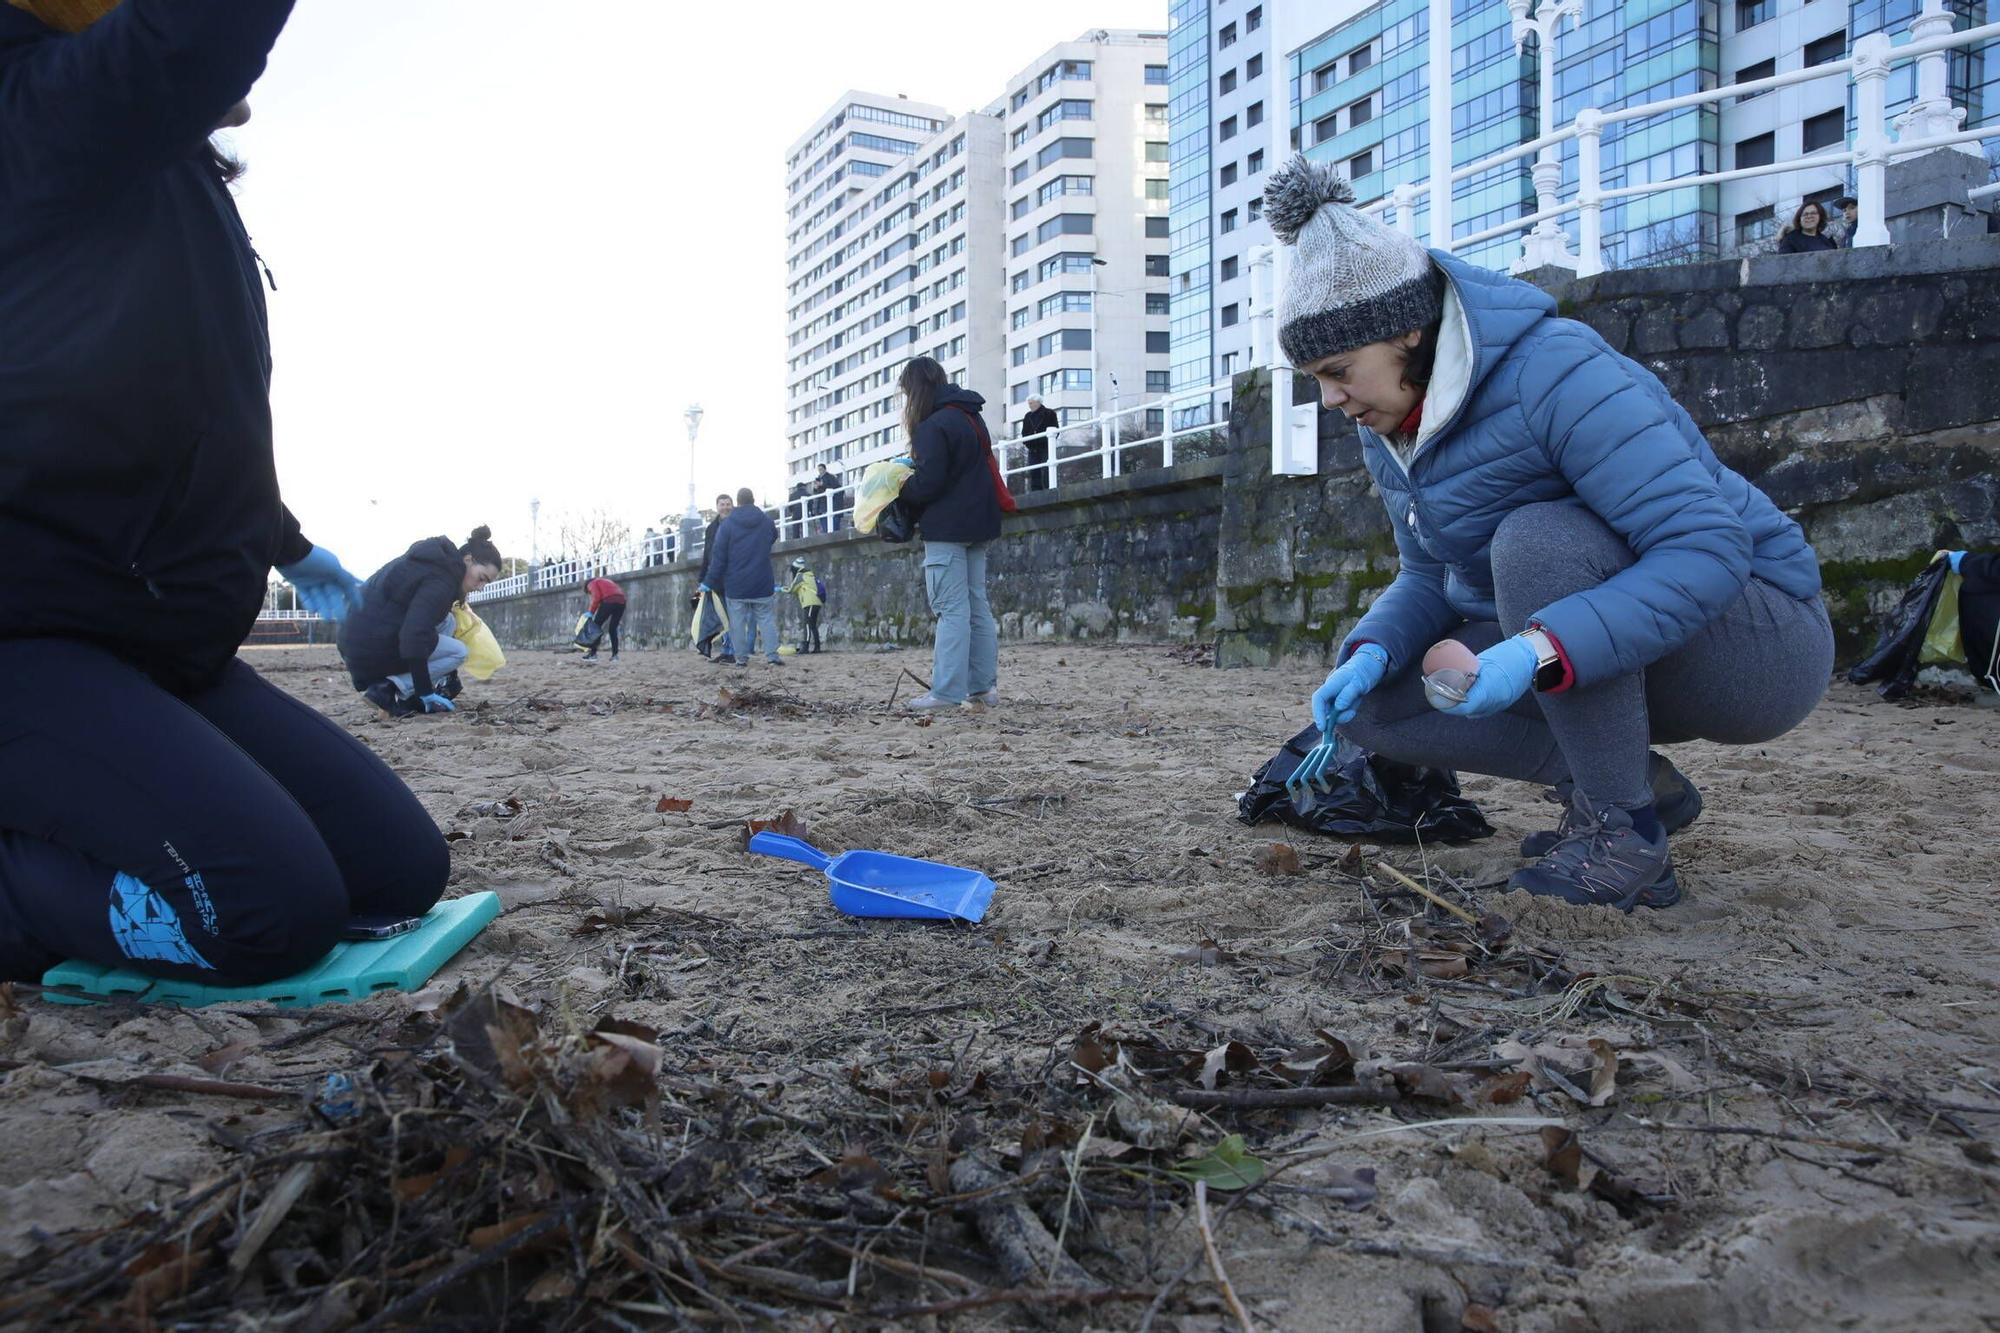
{"type": "Point", "coordinates": [1752, 673]}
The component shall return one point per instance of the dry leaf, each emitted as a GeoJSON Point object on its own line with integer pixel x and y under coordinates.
{"type": "Point", "coordinates": [1476, 1318]}
{"type": "Point", "coordinates": [1278, 858]}
{"type": "Point", "coordinates": [1562, 1155]}
{"type": "Point", "coordinates": [1231, 1057]}
{"type": "Point", "coordinates": [787, 823]}
{"type": "Point", "coordinates": [1208, 954]}
{"type": "Point", "coordinates": [1604, 1078]}
{"type": "Point", "coordinates": [1505, 1089]}
{"type": "Point", "coordinates": [485, 1238]}
{"type": "Point", "coordinates": [554, 1285]}
{"type": "Point", "coordinates": [673, 805]}
{"type": "Point", "coordinates": [219, 1060]}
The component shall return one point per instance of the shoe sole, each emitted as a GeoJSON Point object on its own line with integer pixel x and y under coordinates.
{"type": "Point", "coordinates": [1662, 892]}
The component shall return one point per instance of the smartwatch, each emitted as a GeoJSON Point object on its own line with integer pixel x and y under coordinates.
{"type": "Point", "coordinates": [1548, 662]}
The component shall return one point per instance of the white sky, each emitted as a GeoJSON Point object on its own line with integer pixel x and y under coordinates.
{"type": "Point", "coordinates": [514, 241]}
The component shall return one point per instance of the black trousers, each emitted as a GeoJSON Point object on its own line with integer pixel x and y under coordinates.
{"type": "Point", "coordinates": [811, 635]}
{"type": "Point", "coordinates": [1036, 478]}
{"type": "Point", "coordinates": [226, 836]}
{"type": "Point", "coordinates": [609, 617]}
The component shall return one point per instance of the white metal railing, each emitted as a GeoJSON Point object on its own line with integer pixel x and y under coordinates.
{"type": "Point", "coordinates": [287, 615]}
{"type": "Point", "coordinates": [1929, 123]}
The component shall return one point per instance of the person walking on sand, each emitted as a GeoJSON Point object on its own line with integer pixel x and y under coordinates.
{"type": "Point", "coordinates": [954, 494]}
{"type": "Point", "coordinates": [741, 570]}
{"type": "Point", "coordinates": [805, 586]}
{"type": "Point", "coordinates": [607, 608]}
{"type": "Point", "coordinates": [1559, 516]}
{"type": "Point", "coordinates": [399, 648]}
{"type": "Point", "coordinates": [162, 806]}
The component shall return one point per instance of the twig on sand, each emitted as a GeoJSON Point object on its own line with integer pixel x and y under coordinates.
{"type": "Point", "coordinates": [1215, 1259]}
{"type": "Point", "coordinates": [899, 685]}
{"type": "Point", "coordinates": [1414, 887]}
{"type": "Point", "coordinates": [1256, 1099]}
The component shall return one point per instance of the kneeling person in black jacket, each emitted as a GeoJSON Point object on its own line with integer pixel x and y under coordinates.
{"type": "Point", "coordinates": [399, 647]}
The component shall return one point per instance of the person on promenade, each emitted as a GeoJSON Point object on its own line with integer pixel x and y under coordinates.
{"type": "Point", "coordinates": [711, 618]}
{"type": "Point", "coordinates": [1807, 232]}
{"type": "Point", "coordinates": [399, 647]}
{"type": "Point", "coordinates": [806, 586]}
{"type": "Point", "coordinates": [162, 806]}
{"type": "Point", "coordinates": [607, 608]}
{"type": "Point", "coordinates": [741, 571]}
{"type": "Point", "coordinates": [1846, 216]}
{"type": "Point", "coordinates": [954, 495]}
{"type": "Point", "coordinates": [1037, 432]}
{"type": "Point", "coordinates": [826, 493]}
{"type": "Point", "coordinates": [1559, 516]}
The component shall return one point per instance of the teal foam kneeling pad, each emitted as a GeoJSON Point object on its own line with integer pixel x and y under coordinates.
{"type": "Point", "coordinates": [353, 970]}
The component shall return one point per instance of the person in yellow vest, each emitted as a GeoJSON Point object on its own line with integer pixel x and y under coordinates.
{"type": "Point", "coordinates": [811, 592]}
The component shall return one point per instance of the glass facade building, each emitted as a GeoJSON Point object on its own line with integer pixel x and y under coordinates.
{"type": "Point", "coordinates": [1188, 193]}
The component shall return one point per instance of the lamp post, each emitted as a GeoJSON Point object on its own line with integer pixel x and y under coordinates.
{"type": "Point", "coordinates": [534, 534]}
{"type": "Point", "coordinates": [693, 416]}
{"type": "Point", "coordinates": [1095, 264]}
{"type": "Point", "coordinates": [1545, 245]}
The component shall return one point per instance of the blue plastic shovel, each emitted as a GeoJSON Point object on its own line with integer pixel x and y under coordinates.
{"type": "Point", "coordinates": [878, 884]}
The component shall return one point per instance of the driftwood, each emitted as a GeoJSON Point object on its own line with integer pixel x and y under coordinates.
{"type": "Point", "coordinates": [1028, 1254]}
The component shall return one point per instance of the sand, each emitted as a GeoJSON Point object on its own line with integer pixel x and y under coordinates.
{"type": "Point", "coordinates": [1817, 1020]}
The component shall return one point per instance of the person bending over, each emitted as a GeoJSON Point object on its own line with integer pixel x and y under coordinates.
{"type": "Point", "coordinates": [607, 608]}
{"type": "Point", "coordinates": [162, 807]}
{"type": "Point", "coordinates": [399, 646]}
{"type": "Point", "coordinates": [805, 586]}
{"type": "Point", "coordinates": [1559, 515]}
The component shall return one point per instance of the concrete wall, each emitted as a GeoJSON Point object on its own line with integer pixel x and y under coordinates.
{"type": "Point", "coordinates": [1860, 389]}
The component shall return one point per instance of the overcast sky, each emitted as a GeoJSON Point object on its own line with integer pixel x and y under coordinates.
{"type": "Point", "coordinates": [512, 241]}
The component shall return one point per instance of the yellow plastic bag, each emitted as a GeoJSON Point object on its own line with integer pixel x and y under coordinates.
{"type": "Point", "coordinates": [483, 656]}
{"type": "Point", "coordinates": [1944, 642]}
{"type": "Point", "coordinates": [721, 614]}
{"type": "Point", "coordinates": [880, 483]}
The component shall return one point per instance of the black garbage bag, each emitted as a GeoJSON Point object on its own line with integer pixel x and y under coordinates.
{"type": "Point", "coordinates": [1368, 796]}
{"type": "Point", "coordinates": [1894, 662]}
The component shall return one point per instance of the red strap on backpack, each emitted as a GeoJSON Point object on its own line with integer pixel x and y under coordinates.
{"type": "Point", "coordinates": [1000, 491]}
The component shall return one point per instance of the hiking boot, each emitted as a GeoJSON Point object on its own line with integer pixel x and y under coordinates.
{"type": "Point", "coordinates": [1675, 800]}
{"type": "Point", "coordinates": [1603, 862]}
{"type": "Point", "coordinates": [930, 703]}
{"type": "Point", "coordinates": [386, 697]}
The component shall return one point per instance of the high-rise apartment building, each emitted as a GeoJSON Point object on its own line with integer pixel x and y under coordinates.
{"type": "Point", "coordinates": [1088, 248]}
{"type": "Point", "coordinates": [893, 250]}
{"type": "Point", "coordinates": [1353, 80]}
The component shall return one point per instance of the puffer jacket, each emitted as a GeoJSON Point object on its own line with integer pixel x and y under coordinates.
{"type": "Point", "coordinates": [1525, 407]}
{"type": "Point", "coordinates": [740, 564]}
{"type": "Point", "coordinates": [952, 488]}
{"type": "Point", "coordinates": [402, 606]}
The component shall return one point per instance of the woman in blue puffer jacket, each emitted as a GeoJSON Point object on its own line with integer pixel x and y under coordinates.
{"type": "Point", "coordinates": [1558, 515]}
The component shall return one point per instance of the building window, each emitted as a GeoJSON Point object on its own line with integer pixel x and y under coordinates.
{"type": "Point", "coordinates": [1060, 381]}
{"type": "Point", "coordinates": [1324, 76]}
{"type": "Point", "coordinates": [1157, 228]}
{"type": "Point", "coordinates": [1325, 128]}
{"type": "Point", "coordinates": [1227, 83]}
{"type": "Point", "coordinates": [1159, 344]}
{"type": "Point", "coordinates": [1228, 129]}
{"type": "Point", "coordinates": [1253, 68]}
{"type": "Point", "coordinates": [1022, 318]}
{"type": "Point", "coordinates": [1227, 269]}
{"type": "Point", "coordinates": [1062, 148]}
{"type": "Point", "coordinates": [1070, 108]}
{"type": "Point", "coordinates": [1228, 174]}
{"type": "Point", "coordinates": [1156, 150]}
{"type": "Point", "coordinates": [1062, 185]}
{"type": "Point", "coordinates": [1159, 381]}
{"type": "Point", "coordinates": [1229, 316]}
{"type": "Point", "coordinates": [1256, 208]}
{"type": "Point", "coordinates": [1763, 69]}
{"type": "Point", "coordinates": [1063, 340]}
{"type": "Point", "coordinates": [1063, 263]}
{"type": "Point", "coordinates": [1360, 113]}
{"type": "Point", "coordinates": [1360, 165]}
{"type": "Point", "coordinates": [1757, 151]}
{"type": "Point", "coordinates": [1228, 221]}
{"type": "Point", "coordinates": [1022, 281]}
{"type": "Point", "coordinates": [1064, 303]}
{"type": "Point", "coordinates": [1021, 172]}
{"type": "Point", "coordinates": [1822, 131]}
{"type": "Point", "coordinates": [1159, 303]}
{"type": "Point", "coordinates": [1063, 224]}
{"type": "Point", "coordinates": [1227, 37]}
{"type": "Point", "coordinates": [1254, 19]}
{"type": "Point", "coordinates": [1749, 13]}
{"type": "Point", "coordinates": [1018, 393]}
{"type": "Point", "coordinates": [1254, 163]}
{"type": "Point", "coordinates": [1020, 137]}
{"type": "Point", "coordinates": [1156, 111]}
{"type": "Point", "coordinates": [1830, 47]}
{"type": "Point", "coordinates": [1254, 116]}
{"type": "Point", "coordinates": [1019, 356]}
{"type": "Point", "coordinates": [1228, 364]}
{"type": "Point", "coordinates": [1756, 225]}
{"type": "Point", "coordinates": [1156, 266]}
{"type": "Point", "coordinates": [1156, 73]}
{"type": "Point", "coordinates": [1359, 59]}
{"type": "Point", "coordinates": [1022, 207]}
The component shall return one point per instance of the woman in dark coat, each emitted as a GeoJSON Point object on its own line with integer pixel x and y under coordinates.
{"type": "Point", "coordinates": [399, 647]}
{"type": "Point", "coordinates": [1807, 233]}
{"type": "Point", "coordinates": [162, 807]}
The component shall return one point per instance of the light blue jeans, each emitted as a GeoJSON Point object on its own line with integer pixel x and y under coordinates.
{"type": "Point", "coordinates": [966, 659]}
{"type": "Point", "coordinates": [447, 657]}
{"type": "Point", "coordinates": [751, 619]}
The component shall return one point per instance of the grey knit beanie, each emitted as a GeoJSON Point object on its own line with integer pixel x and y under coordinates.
{"type": "Point", "coordinates": [1354, 281]}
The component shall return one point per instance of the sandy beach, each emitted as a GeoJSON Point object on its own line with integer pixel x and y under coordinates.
{"type": "Point", "coordinates": [1782, 1093]}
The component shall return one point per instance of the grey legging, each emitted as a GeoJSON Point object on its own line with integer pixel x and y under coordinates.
{"type": "Point", "coordinates": [1752, 673]}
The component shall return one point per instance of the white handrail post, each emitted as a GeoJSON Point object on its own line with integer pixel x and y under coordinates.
{"type": "Point", "coordinates": [1107, 444]}
{"type": "Point", "coordinates": [1166, 432]}
{"type": "Point", "coordinates": [1589, 181]}
{"type": "Point", "coordinates": [1440, 120]}
{"type": "Point", "coordinates": [1871, 138]}
{"type": "Point", "coordinates": [1545, 246]}
{"type": "Point", "coordinates": [1932, 114]}
{"type": "Point", "coordinates": [1405, 198]}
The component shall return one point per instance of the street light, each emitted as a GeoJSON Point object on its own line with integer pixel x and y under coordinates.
{"type": "Point", "coordinates": [1095, 264]}
{"type": "Point", "coordinates": [534, 533]}
{"type": "Point", "coordinates": [693, 416]}
{"type": "Point", "coordinates": [1546, 244]}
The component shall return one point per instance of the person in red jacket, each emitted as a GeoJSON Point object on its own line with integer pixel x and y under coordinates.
{"type": "Point", "coordinates": [607, 608]}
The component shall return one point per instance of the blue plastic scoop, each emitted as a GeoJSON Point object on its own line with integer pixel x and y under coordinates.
{"type": "Point", "coordinates": [879, 884]}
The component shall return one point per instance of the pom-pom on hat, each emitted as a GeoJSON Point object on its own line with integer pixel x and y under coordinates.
{"type": "Point", "coordinates": [67, 15]}
{"type": "Point", "coordinates": [1354, 281]}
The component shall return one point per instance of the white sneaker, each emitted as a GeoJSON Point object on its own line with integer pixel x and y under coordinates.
{"type": "Point", "coordinates": [987, 698]}
{"type": "Point", "coordinates": [930, 703]}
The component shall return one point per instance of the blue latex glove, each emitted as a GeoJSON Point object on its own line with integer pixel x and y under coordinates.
{"type": "Point", "coordinates": [1334, 703]}
{"type": "Point", "coordinates": [710, 591]}
{"type": "Point", "coordinates": [1953, 558]}
{"type": "Point", "coordinates": [323, 584]}
{"type": "Point", "coordinates": [437, 703]}
{"type": "Point", "coordinates": [1506, 670]}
